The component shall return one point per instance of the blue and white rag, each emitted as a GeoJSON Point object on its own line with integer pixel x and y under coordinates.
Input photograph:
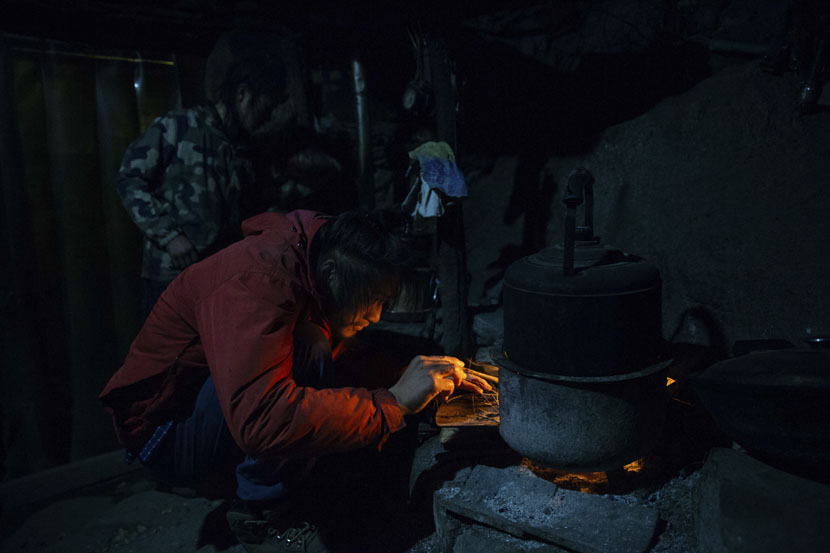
{"type": "Point", "coordinates": [439, 173]}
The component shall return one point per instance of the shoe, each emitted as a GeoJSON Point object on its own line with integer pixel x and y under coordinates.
{"type": "Point", "coordinates": [258, 535]}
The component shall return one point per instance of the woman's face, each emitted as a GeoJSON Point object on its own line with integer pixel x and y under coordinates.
{"type": "Point", "coordinates": [355, 322]}
{"type": "Point", "coordinates": [351, 308]}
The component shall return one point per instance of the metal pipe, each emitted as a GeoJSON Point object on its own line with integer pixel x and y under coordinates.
{"type": "Point", "coordinates": [366, 191]}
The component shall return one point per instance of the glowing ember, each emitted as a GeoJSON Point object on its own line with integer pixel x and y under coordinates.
{"type": "Point", "coordinates": [590, 482]}
{"type": "Point", "coordinates": [587, 482]}
{"type": "Point", "coordinates": [635, 466]}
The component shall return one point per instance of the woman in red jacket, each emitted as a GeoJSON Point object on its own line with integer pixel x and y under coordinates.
{"type": "Point", "coordinates": [232, 366]}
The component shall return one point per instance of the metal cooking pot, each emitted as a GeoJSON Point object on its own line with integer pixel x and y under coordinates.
{"type": "Point", "coordinates": [582, 308]}
{"type": "Point", "coordinates": [581, 424]}
{"type": "Point", "coordinates": [772, 402]}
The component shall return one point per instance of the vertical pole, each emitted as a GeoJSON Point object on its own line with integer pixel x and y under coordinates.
{"type": "Point", "coordinates": [366, 184]}
{"type": "Point", "coordinates": [451, 250]}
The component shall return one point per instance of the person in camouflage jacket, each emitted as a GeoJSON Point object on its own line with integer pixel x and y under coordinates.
{"type": "Point", "coordinates": [181, 180]}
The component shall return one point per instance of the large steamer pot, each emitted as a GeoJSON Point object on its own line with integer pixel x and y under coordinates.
{"type": "Point", "coordinates": [582, 308]}
{"type": "Point", "coordinates": [581, 384]}
{"type": "Point", "coordinates": [581, 424]}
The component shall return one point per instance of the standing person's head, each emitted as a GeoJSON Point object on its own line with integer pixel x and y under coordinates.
{"type": "Point", "coordinates": [253, 86]}
{"type": "Point", "coordinates": [360, 262]}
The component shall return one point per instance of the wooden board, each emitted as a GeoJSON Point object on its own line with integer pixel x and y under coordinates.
{"type": "Point", "coordinates": [468, 409]}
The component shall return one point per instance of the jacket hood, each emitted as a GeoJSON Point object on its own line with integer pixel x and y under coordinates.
{"type": "Point", "coordinates": [303, 221]}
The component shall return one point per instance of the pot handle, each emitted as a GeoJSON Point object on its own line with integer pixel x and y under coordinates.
{"type": "Point", "coordinates": [580, 187]}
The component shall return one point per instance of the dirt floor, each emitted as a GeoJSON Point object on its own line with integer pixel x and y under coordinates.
{"type": "Point", "coordinates": [134, 515]}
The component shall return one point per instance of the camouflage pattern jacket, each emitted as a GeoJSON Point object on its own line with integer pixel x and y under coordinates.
{"type": "Point", "coordinates": [182, 176]}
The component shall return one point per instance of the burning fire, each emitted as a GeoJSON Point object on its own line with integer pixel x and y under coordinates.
{"type": "Point", "coordinates": [586, 482]}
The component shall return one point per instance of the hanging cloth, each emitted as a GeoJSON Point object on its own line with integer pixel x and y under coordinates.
{"type": "Point", "coordinates": [439, 177]}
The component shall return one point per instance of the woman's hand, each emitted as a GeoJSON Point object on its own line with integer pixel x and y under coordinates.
{"type": "Point", "coordinates": [434, 377]}
{"type": "Point", "coordinates": [427, 377]}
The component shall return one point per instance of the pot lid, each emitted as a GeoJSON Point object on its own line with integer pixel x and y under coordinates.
{"type": "Point", "coordinates": [581, 265]}
{"type": "Point", "coordinates": [599, 270]}
{"type": "Point", "coordinates": [588, 252]}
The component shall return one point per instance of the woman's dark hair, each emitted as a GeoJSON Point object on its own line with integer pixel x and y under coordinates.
{"type": "Point", "coordinates": [372, 258]}
{"type": "Point", "coordinates": [264, 75]}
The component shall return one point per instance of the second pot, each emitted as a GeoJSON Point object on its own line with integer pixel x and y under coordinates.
{"type": "Point", "coordinates": [582, 424]}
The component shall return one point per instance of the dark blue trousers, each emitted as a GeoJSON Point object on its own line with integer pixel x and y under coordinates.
{"type": "Point", "coordinates": [200, 447]}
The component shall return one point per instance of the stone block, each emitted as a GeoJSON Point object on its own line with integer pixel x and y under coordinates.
{"type": "Point", "coordinates": [459, 534]}
{"type": "Point", "coordinates": [742, 505]}
{"type": "Point", "coordinates": [528, 507]}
